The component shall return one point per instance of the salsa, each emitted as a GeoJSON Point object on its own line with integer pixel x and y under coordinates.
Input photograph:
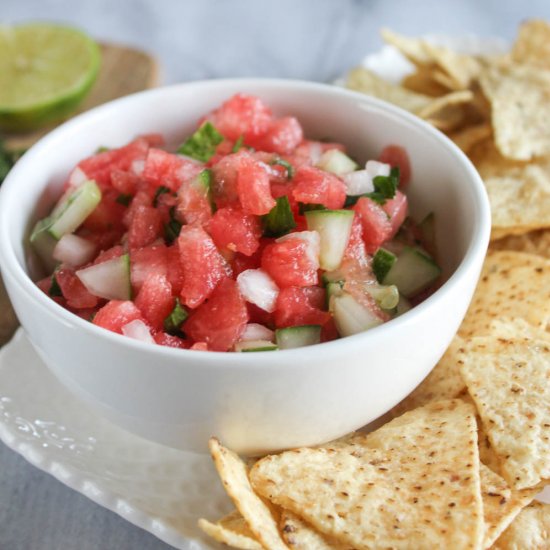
{"type": "Point", "coordinates": [249, 237]}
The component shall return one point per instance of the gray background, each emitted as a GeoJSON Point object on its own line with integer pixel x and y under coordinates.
{"type": "Point", "coordinates": [194, 39]}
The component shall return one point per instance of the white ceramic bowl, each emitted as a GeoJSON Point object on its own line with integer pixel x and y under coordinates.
{"type": "Point", "coordinates": [255, 401]}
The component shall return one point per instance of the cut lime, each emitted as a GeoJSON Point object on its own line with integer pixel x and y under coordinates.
{"type": "Point", "coordinates": [45, 71]}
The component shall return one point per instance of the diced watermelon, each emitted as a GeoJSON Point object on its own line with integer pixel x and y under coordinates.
{"type": "Point", "coordinates": [315, 186]}
{"type": "Point", "coordinates": [124, 182]}
{"type": "Point", "coordinates": [253, 187]}
{"type": "Point", "coordinates": [145, 227]}
{"type": "Point", "coordinates": [203, 266]}
{"type": "Point", "coordinates": [290, 262]}
{"type": "Point", "coordinates": [107, 215]}
{"type": "Point", "coordinates": [162, 168]}
{"type": "Point", "coordinates": [194, 201]}
{"type": "Point", "coordinates": [259, 315]}
{"type": "Point", "coordinates": [165, 339]}
{"type": "Point", "coordinates": [73, 290]}
{"type": "Point", "coordinates": [242, 115]}
{"type": "Point", "coordinates": [355, 249]}
{"type": "Point", "coordinates": [141, 198]}
{"type": "Point", "coordinates": [146, 261]}
{"type": "Point", "coordinates": [282, 137]}
{"type": "Point", "coordinates": [301, 306]}
{"type": "Point", "coordinates": [221, 320]}
{"type": "Point", "coordinates": [377, 227]}
{"type": "Point", "coordinates": [235, 230]}
{"type": "Point", "coordinates": [329, 331]}
{"type": "Point", "coordinates": [117, 313]}
{"type": "Point", "coordinates": [224, 179]}
{"type": "Point", "coordinates": [99, 167]}
{"type": "Point", "coordinates": [199, 346]}
{"type": "Point", "coordinates": [109, 254]}
{"type": "Point", "coordinates": [155, 300]}
{"type": "Point", "coordinates": [153, 139]}
{"type": "Point", "coordinates": [174, 268]}
{"type": "Point", "coordinates": [396, 209]}
{"type": "Point", "coordinates": [394, 155]}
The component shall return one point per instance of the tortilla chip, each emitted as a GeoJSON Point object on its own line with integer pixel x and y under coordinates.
{"type": "Point", "coordinates": [420, 489]}
{"type": "Point", "coordinates": [299, 535]}
{"type": "Point", "coordinates": [535, 242]}
{"type": "Point", "coordinates": [422, 82]}
{"type": "Point", "coordinates": [231, 530]}
{"type": "Point", "coordinates": [520, 100]}
{"type": "Point", "coordinates": [530, 530]}
{"type": "Point", "coordinates": [512, 284]}
{"type": "Point", "coordinates": [365, 81]}
{"type": "Point", "coordinates": [509, 381]}
{"type": "Point", "coordinates": [500, 504]}
{"type": "Point", "coordinates": [466, 138]}
{"type": "Point", "coordinates": [487, 455]}
{"type": "Point", "coordinates": [444, 382]}
{"type": "Point", "coordinates": [532, 46]}
{"type": "Point", "coordinates": [414, 49]}
{"type": "Point", "coordinates": [259, 517]}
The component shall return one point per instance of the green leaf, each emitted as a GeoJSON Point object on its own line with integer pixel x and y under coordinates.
{"type": "Point", "coordinates": [172, 228]}
{"type": "Point", "coordinates": [124, 199]}
{"type": "Point", "coordinates": [102, 149]}
{"type": "Point", "coordinates": [172, 323]}
{"type": "Point", "coordinates": [280, 220]}
{"type": "Point", "coordinates": [238, 144]}
{"type": "Point", "coordinates": [382, 262]}
{"type": "Point", "coordinates": [289, 168]}
{"type": "Point", "coordinates": [385, 188]}
{"type": "Point", "coordinates": [55, 289]}
{"type": "Point", "coordinates": [161, 190]}
{"type": "Point", "coordinates": [202, 144]}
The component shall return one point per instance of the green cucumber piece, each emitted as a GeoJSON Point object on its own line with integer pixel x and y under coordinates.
{"type": "Point", "coordinates": [333, 289]}
{"type": "Point", "coordinates": [297, 337]}
{"type": "Point", "coordinates": [255, 345]}
{"type": "Point", "coordinates": [78, 206]}
{"type": "Point", "coordinates": [350, 316]}
{"type": "Point", "coordinates": [387, 297]}
{"type": "Point", "coordinates": [336, 162]}
{"type": "Point", "coordinates": [335, 276]}
{"type": "Point", "coordinates": [382, 262]}
{"type": "Point", "coordinates": [109, 280]}
{"type": "Point", "coordinates": [334, 228]}
{"type": "Point", "coordinates": [413, 272]}
{"type": "Point", "coordinates": [43, 243]}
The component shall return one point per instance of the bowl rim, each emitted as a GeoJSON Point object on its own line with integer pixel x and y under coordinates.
{"type": "Point", "coordinates": [474, 254]}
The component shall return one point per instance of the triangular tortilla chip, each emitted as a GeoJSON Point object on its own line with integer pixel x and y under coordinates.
{"type": "Point", "coordinates": [532, 46]}
{"type": "Point", "coordinates": [259, 517]}
{"type": "Point", "coordinates": [301, 536]}
{"type": "Point", "coordinates": [535, 242]}
{"type": "Point", "coordinates": [231, 530]}
{"type": "Point", "coordinates": [509, 381]}
{"type": "Point", "coordinates": [422, 490]}
{"type": "Point", "coordinates": [529, 531]}
{"type": "Point", "coordinates": [512, 284]}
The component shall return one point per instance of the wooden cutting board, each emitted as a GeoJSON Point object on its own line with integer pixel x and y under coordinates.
{"type": "Point", "coordinates": [123, 71]}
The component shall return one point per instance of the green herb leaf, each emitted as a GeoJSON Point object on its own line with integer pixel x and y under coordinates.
{"type": "Point", "coordinates": [382, 262]}
{"type": "Point", "coordinates": [172, 228]}
{"type": "Point", "coordinates": [160, 191]}
{"type": "Point", "coordinates": [124, 198]}
{"type": "Point", "coordinates": [289, 168]}
{"type": "Point", "coordinates": [202, 144]}
{"type": "Point", "coordinates": [304, 207]}
{"type": "Point", "coordinates": [172, 323]}
{"type": "Point", "coordinates": [238, 144]}
{"type": "Point", "coordinates": [55, 289]}
{"type": "Point", "coordinates": [102, 149]}
{"type": "Point", "coordinates": [279, 220]}
{"type": "Point", "coordinates": [385, 188]}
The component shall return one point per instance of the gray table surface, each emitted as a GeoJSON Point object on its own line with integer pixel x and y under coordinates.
{"type": "Point", "coordinates": [194, 39]}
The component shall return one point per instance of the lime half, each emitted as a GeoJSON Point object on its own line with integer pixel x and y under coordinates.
{"type": "Point", "coordinates": [45, 71]}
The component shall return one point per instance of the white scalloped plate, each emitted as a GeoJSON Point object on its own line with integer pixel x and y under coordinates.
{"type": "Point", "coordinates": [162, 490]}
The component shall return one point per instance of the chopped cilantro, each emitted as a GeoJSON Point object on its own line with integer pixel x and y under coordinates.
{"type": "Point", "coordinates": [279, 220]}
{"type": "Point", "coordinates": [202, 144]}
{"type": "Point", "coordinates": [161, 190]}
{"type": "Point", "coordinates": [382, 262]}
{"type": "Point", "coordinates": [55, 289]}
{"type": "Point", "coordinates": [172, 323]}
{"type": "Point", "coordinates": [304, 207]}
{"type": "Point", "coordinates": [124, 198]}
{"type": "Point", "coordinates": [384, 189]}
{"type": "Point", "coordinates": [238, 144]}
{"type": "Point", "coordinates": [289, 168]}
{"type": "Point", "coordinates": [102, 149]}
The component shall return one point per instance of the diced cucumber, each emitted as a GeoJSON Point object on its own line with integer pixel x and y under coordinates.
{"type": "Point", "coordinates": [334, 228]}
{"type": "Point", "coordinates": [350, 316]}
{"type": "Point", "coordinates": [43, 243]}
{"type": "Point", "coordinates": [333, 289]}
{"type": "Point", "coordinates": [387, 297]}
{"type": "Point", "coordinates": [255, 345]}
{"type": "Point", "coordinates": [79, 205]}
{"type": "Point", "coordinates": [413, 272]}
{"type": "Point", "coordinates": [255, 331]}
{"type": "Point", "coordinates": [297, 337]}
{"type": "Point", "coordinates": [334, 276]}
{"type": "Point", "coordinates": [336, 162]}
{"type": "Point", "coordinates": [109, 280]}
{"type": "Point", "coordinates": [382, 262]}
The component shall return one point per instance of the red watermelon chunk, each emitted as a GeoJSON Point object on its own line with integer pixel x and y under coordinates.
{"type": "Point", "coordinates": [124, 182]}
{"type": "Point", "coordinates": [203, 266]}
{"type": "Point", "coordinates": [155, 300]}
{"type": "Point", "coordinates": [162, 168]}
{"type": "Point", "coordinates": [107, 215]}
{"type": "Point", "coordinates": [290, 262]}
{"type": "Point", "coordinates": [224, 179]}
{"type": "Point", "coordinates": [242, 115]}
{"type": "Point", "coordinates": [220, 321]}
{"type": "Point", "coordinates": [315, 186]}
{"type": "Point", "coordinates": [301, 306]}
{"type": "Point", "coordinates": [355, 249]}
{"type": "Point", "coordinates": [117, 313]}
{"type": "Point", "coordinates": [109, 254]}
{"type": "Point", "coordinates": [253, 187]}
{"type": "Point", "coordinates": [146, 261]}
{"type": "Point", "coordinates": [235, 230]}
{"type": "Point", "coordinates": [165, 339]}
{"type": "Point", "coordinates": [396, 209]}
{"type": "Point", "coordinates": [145, 227]}
{"type": "Point", "coordinates": [394, 155]}
{"type": "Point", "coordinates": [283, 136]}
{"type": "Point", "coordinates": [73, 290]}
{"type": "Point", "coordinates": [377, 227]}
{"type": "Point", "coordinates": [194, 200]}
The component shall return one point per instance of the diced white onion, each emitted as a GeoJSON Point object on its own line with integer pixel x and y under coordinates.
{"type": "Point", "coordinates": [375, 168]}
{"type": "Point", "coordinates": [258, 288]}
{"type": "Point", "coordinates": [73, 250]}
{"type": "Point", "coordinates": [315, 152]}
{"type": "Point", "coordinates": [138, 330]}
{"type": "Point", "coordinates": [255, 331]}
{"type": "Point", "coordinates": [138, 166]}
{"type": "Point", "coordinates": [358, 183]}
{"type": "Point", "coordinates": [312, 238]}
{"type": "Point", "coordinates": [77, 177]}
{"type": "Point", "coordinates": [109, 280]}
